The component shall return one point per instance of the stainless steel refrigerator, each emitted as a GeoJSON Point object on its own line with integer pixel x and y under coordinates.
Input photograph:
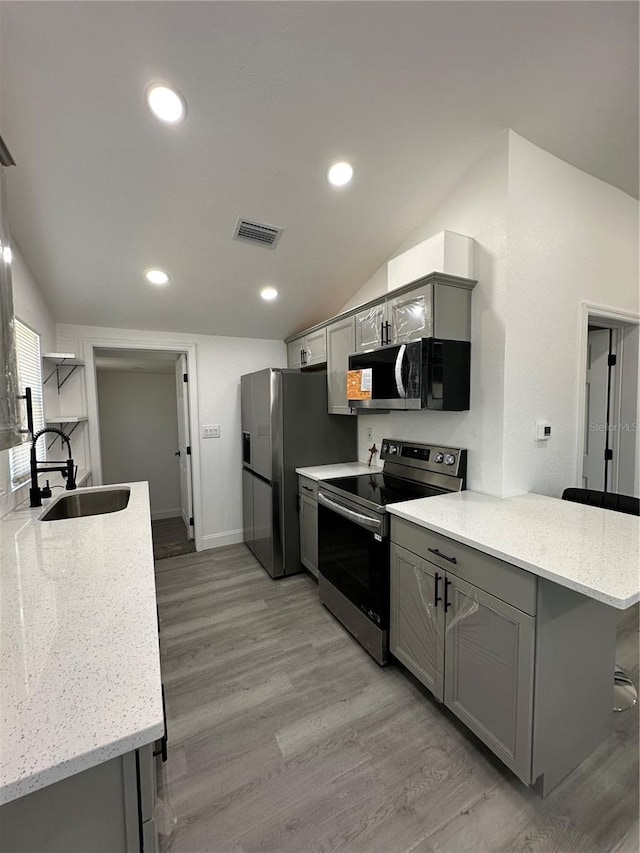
{"type": "Point", "coordinates": [285, 425]}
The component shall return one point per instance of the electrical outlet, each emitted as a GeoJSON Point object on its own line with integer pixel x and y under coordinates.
{"type": "Point", "coordinates": [369, 434]}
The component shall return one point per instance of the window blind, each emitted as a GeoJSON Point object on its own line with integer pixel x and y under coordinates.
{"type": "Point", "coordinates": [29, 376]}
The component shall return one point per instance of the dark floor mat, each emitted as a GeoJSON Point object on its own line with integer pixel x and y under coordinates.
{"type": "Point", "coordinates": [162, 550]}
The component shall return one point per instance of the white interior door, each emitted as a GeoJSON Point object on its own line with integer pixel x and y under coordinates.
{"type": "Point", "coordinates": [595, 440]}
{"type": "Point", "coordinates": [184, 443]}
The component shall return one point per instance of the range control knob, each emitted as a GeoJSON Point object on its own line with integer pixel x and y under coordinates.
{"type": "Point", "coordinates": [439, 457]}
{"type": "Point", "coordinates": [449, 459]}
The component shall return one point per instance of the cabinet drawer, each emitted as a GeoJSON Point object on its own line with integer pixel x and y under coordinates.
{"type": "Point", "coordinates": [308, 487]}
{"type": "Point", "coordinates": [509, 583]}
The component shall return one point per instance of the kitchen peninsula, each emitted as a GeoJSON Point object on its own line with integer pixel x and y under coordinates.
{"type": "Point", "coordinates": [506, 610]}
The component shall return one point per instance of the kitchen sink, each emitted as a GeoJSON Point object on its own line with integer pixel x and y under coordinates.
{"type": "Point", "coordinates": [80, 504]}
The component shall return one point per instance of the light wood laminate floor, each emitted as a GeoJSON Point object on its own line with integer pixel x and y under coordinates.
{"type": "Point", "coordinates": [284, 735]}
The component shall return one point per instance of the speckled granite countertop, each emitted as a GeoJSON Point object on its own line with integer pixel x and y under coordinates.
{"type": "Point", "coordinates": [588, 549]}
{"type": "Point", "coordinates": [79, 657]}
{"type": "Point", "coordinates": [341, 469]}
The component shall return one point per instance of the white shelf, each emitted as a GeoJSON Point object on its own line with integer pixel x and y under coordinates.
{"type": "Point", "coordinates": [64, 358]}
{"type": "Point", "coordinates": [68, 419]}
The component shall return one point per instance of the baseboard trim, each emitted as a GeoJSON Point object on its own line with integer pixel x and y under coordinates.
{"type": "Point", "coordinates": [159, 514]}
{"type": "Point", "coordinates": [219, 540]}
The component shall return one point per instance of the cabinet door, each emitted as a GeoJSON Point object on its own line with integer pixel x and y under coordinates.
{"type": "Point", "coordinates": [309, 534]}
{"type": "Point", "coordinates": [315, 346]}
{"type": "Point", "coordinates": [489, 648]}
{"type": "Point", "coordinates": [369, 327]}
{"type": "Point", "coordinates": [417, 617]}
{"type": "Point", "coordinates": [341, 342]}
{"type": "Point", "coordinates": [294, 353]}
{"type": "Point", "coordinates": [411, 315]}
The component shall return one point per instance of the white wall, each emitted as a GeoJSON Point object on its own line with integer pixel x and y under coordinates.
{"type": "Point", "coordinates": [477, 208]}
{"type": "Point", "coordinates": [221, 362]}
{"type": "Point", "coordinates": [548, 237]}
{"type": "Point", "coordinates": [139, 434]}
{"type": "Point", "coordinates": [29, 307]}
{"type": "Point", "coordinates": [572, 238]}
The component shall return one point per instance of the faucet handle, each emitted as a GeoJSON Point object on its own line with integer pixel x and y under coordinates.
{"type": "Point", "coordinates": [45, 491]}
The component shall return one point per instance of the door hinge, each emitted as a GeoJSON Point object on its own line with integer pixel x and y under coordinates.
{"type": "Point", "coordinates": [608, 454]}
{"type": "Point", "coordinates": [189, 450]}
{"type": "Point", "coordinates": [612, 360]}
{"type": "Point", "coordinates": [185, 377]}
{"type": "Point", "coordinates": [191, 522]}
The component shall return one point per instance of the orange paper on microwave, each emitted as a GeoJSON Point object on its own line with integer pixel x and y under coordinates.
{"type": "Point", "coordinates": [358, 388]}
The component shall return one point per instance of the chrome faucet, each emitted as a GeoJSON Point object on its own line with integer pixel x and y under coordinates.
{"type": "Point", "coordinates": [36, 493]}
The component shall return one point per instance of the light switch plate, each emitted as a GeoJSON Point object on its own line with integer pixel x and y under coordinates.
{"type": "Point", "coordinates": [215, 431]}
{"type": "Point", "coordinates": [208, 431]}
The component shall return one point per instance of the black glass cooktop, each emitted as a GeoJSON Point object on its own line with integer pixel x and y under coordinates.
{"type": "Point", "coordinates": [382, 489]}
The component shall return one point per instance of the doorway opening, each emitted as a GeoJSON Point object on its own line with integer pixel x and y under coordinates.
{"type": "Point", "coordinates": [143, 421]}
{"type": "Point", "coordinates": [608, 452]}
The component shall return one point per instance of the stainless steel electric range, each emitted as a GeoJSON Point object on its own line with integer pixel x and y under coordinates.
{"type": "Point", "coordinates": [353, 532]}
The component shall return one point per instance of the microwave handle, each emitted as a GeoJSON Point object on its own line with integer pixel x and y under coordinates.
{"type": "Point", "coordinates": [402, 391]}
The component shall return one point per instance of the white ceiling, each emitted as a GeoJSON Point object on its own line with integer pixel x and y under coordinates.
{"type": "Point", "coordinates": [142, 361]}
{"type": "Point", "coordinates": [410, 93]}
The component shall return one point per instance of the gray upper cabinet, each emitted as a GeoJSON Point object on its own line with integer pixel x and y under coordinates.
{"type": "Point", "coordinates": [411, 315]}
{"type": "Point", "coordinates": [308, 350]}
{"type": "Point", "coordinates": [341, 342]}
{"type": "Point", "coordinates": [489, 659]}
{"type": "Point", "coordinates": [370, 328]}
{"type": "Point", "coordinates": [315, 347]}
{"type": "Point", "coordinates": [416, 624]}
{"type": "Point", "coordinates": [294, 352]}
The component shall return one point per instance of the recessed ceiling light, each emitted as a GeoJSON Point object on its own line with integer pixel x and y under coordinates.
{"type": "Point", "coordinates": [268, 293]}
{"type": "Point", "coordinates": [166, 104]}
{"type": "Point", "coordinates": [340, 174]}
{"type": "Point", "coordinates": [157, 277]}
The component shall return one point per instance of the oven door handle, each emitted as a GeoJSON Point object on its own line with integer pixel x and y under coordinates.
{"type": "Point", "coordinates": [402, 391]}
{"type": "Point", "coordinates": [363, 520]}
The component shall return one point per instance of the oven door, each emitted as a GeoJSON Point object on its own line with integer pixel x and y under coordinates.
{"type": "Point", "coordinates": [353, 555]}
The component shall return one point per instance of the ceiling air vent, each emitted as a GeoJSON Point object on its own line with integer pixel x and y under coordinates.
{"type": "Point", "coordinates": [250, 231]}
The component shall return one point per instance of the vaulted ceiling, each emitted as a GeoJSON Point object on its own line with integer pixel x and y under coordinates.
{"type": "Point", "coordinates": [410, 93]}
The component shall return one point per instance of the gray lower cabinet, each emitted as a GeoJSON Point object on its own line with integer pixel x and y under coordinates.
{"type": "Point", "coordinates": [109, 807]}
{"type": "Point", "coordinates": [416, 624]}
{"type": "Point", "coordinates": [341, 343]}
{"type": "Point", "coordinates": [525, 664]}
{"type": "Point", "coordinates": [476, 655]}
{"type": "Point", "coordinates": [309, 534]}
{"type": "Point", "coordinates": [308, 515]}
{"type": "Point", "coordinates": [489, 671]}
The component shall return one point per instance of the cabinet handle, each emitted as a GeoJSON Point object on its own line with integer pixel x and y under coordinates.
{"type": "Point", "coordinates": [386, 332]}
{"type": "Point", "coordinates": [436, 597]}
{"type": "Point", "coordinates": [447, 603]}
{"type": "Point", "coordinates": [444, 556]}
{"type": "Point", "coordinates": [308, 488]}
{"type": "Point", "coordinates": [381, 334]}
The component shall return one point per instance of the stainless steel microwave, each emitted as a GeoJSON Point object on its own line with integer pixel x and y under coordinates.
{"type": "Point", "coordinates": [428, 373]}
